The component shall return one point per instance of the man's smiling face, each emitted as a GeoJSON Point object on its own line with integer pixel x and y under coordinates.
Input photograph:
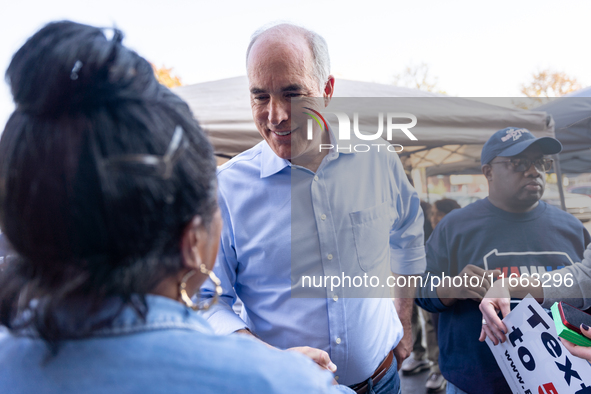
{"type": "Point", "coordinates": [279, 69]}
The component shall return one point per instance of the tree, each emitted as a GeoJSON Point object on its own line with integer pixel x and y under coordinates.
{"type": "Point", "coordinates": [165, 76]}
{"type": "Point", "coordinates": [550, 83]}
{"type": "Point", "coordinates": [416, 76]}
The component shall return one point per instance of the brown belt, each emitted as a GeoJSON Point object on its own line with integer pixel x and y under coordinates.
{"type": "Point", "coordinates": [361, 388]}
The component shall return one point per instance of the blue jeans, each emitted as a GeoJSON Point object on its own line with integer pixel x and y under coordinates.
{"type": "Point", "coordinates": [451, 389]}
{"type": "Point", "coordinates": [389, 384]}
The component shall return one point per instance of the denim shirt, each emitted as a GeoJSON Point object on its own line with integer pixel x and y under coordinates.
{"type": "Point", "coordinates": [173, 351]}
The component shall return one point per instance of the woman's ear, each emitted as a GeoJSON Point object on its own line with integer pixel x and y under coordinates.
{"type": "Point", "coordinates": [199, 244]}
{"type": "Point", "coordinates": [189, 244]}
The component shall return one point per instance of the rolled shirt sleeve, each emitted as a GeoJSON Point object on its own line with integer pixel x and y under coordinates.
{"type": "Point", "coordinates": [407, 251]}
{"type": "Point", "coordinates": [409, 261]}
{"type": "Point", "coordinates": [221, 315]}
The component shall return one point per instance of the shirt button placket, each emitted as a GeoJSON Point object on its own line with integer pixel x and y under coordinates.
{"type": "Point", "coordinates": [325, 231]}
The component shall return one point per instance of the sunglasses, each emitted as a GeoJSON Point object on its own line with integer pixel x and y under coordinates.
{"type": "Point", "coordinates": [521, 165]}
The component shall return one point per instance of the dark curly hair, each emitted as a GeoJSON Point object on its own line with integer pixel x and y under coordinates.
{"type": "Point", "coordinates": [446, 205]}
{"type": "Point", "coordinates": [92, 198]}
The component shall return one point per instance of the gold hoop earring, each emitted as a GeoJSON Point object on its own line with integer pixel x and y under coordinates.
{"type": "Point", "coordinates": [183, 289]}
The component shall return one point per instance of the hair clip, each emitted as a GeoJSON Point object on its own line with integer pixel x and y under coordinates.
{"type": "Point", "coordinates": [112, 34]}
{"type": "Point", "coordinates": [117, 35]}
{"type": "Point", "coordinates": [151, 164]}
{"type": "Point", "coordinates": [74, 73]}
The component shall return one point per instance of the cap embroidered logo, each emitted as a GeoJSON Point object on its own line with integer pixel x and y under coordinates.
{"type": "Point", "coordinates": [515, 134]}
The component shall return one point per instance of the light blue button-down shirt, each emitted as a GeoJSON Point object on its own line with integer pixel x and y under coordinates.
{"type": "Point", "coordinates": [172, 351]}
{"type": "Point", "coordinates": [355, 213]}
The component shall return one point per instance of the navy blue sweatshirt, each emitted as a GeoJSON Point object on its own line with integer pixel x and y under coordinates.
{"type": "Point", "coordinates": [488, 237]}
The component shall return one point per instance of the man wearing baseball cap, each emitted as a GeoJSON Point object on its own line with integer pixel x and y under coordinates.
{"type": "Point", "coordinates": [509, 232]}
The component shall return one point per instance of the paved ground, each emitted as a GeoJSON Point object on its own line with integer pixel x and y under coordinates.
{"type": "Point", "coordinates": [415, 384]}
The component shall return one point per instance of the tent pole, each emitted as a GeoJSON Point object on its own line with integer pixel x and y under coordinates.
{"type": "Point", "coordinates": [559, 181]}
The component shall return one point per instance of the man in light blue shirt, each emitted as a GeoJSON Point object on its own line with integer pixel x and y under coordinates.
{"type": "Point", "coordinates": [287, 201]}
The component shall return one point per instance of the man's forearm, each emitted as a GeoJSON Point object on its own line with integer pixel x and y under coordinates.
{"type": "Point", "coordinates": [246, 331]}
{"type": "Point", "coordinates": [403, 302]}
{"type": "Point", "coordinates": [404, 298]}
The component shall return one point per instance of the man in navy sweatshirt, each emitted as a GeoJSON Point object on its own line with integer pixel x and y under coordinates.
{"type": "Point", "coordinates": [510, 232]}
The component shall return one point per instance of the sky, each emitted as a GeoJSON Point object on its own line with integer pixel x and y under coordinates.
{"type": "Point", "coordinates": [475, 49]}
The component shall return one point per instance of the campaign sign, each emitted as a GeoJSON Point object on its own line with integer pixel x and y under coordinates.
{"type": "Point", "coordinates": [533, 359]}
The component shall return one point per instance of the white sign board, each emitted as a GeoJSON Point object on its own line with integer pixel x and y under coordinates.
{"type": "Point", "coordinates": [533, 359]}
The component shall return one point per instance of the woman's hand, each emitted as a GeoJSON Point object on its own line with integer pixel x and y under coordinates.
{"type": "Point", "coordinates": [497, 298]}
{"type": "Point", "coordinates": [576, 350]}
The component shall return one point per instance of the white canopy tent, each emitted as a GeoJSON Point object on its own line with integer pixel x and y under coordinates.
{"type": "Point", "coordinates": [572, 114]}
{"type": "Point", "coordinates": [450, 130]}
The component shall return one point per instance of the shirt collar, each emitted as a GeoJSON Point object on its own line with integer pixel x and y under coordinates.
{"type": "Point", "coordinates": [334, 142]}
{"type": "Point", "coordinates": [271, 164]}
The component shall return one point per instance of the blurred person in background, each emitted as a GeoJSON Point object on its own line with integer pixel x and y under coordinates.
{"type": "Point", "coordinates": [4, 248]}
{"type": "Point", "coordinates": [108, 196]}
{"type": "Point", "coordinates": [417, 362]}
{"type": "Point", "coordinates": [441, 208]}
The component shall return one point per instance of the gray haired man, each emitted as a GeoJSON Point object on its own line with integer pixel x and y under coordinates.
{"type": "Point", "coordinates": [363, 336]}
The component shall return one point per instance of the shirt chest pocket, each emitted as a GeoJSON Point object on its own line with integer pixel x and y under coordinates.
{"type": "Point", "coordinates": [371, 233]}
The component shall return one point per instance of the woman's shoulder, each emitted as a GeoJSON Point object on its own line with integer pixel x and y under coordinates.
{"type": "Point", "coordinates": [174, 359]}
{"type": "Point", "coordinates": [260, 368]}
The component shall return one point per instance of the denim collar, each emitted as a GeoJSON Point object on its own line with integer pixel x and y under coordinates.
{"type": "Point", "coordinates": [163, 313]}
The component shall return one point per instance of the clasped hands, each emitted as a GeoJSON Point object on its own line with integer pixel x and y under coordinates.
{"type": "Point", "coordinates": [319, 356]}
{"type": "Point", "coordinates": [471, 283]}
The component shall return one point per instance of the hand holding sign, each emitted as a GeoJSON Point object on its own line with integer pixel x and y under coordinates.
{"type": "Point", "coordinates": [576, 350]}
{"type": "Point", "coordinates": [497, 298]}
{"type": "Point", "coordinates": [532, 358]}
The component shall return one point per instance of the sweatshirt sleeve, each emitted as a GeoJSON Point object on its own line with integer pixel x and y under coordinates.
{"type": "Point", "coordinates": [437, 261]}
{"type": "Point", "coordinates": [579, 293]}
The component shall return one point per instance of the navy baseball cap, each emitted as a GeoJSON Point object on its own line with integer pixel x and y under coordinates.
{"type": "Point", "coordinates": [512, 141]}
